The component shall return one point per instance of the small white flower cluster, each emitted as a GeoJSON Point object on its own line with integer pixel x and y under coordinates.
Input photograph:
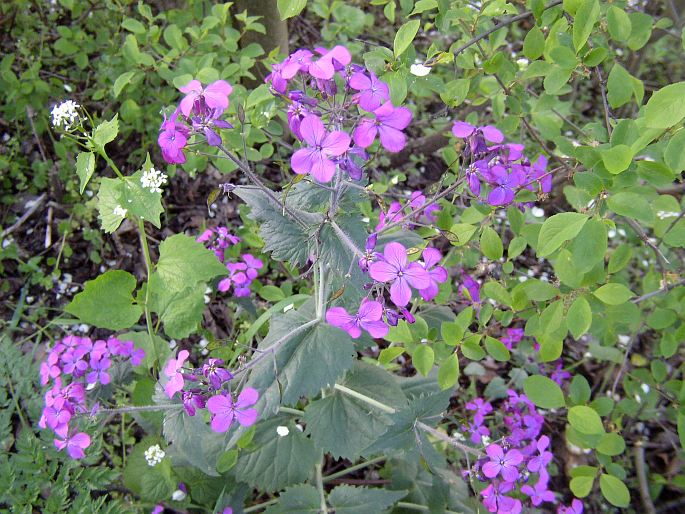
{"type": "Point", "coordinates": [153, 180]}
{"type": "Point", "coordinates": [64, 114]}
{"type": "Point", "coordinates": [419, 70]}
{"type": "Point", "coordinates": [154, 455]}
{"type": "Point", "coordinates": [120, 211]}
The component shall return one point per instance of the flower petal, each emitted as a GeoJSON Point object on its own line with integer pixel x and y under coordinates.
{"type": "Point", "coordinates": [302, 160]}
{"type": "Point", "coordinates": [396, 255]}
{"type": "Point", "coordinates": [400, 292]}
{"type": "Point", "coordinates": [247, 397]}
{"type": "Point", "coordinates": [462, 129]}
{"type": "Point", "coordinates": [382, 271]}
{"type": "Point", "coordinates": [335, 143]}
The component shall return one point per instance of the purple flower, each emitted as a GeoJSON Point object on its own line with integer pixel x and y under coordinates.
{"type": "Point", "coordinates": [503, 192]}
{"type": "Point", "coordinates": [137, 356]}
{"type": "Point", "coordinates": [192, 400]}
{"type": "Point", "coordinates": [216, 375]}
{"type": "Point", "coordinates": [464, 130]}
{"type": "Point", "coordinates": [172, 139]}
{"type": "Point", "coordinates": [224, 410]}
{"type": "Point", "coordinates": [72, 362]}
{"type": "Point", "coordinates": [388, 123]}
{"type": "Point", "coordinates": [436, 274]}
{"type": "Point", "coordinates": [282, 72]}
{"type": "Point", "coordinates": [538, 173]}
{"type": "Point", "coordinates": [502, 463]}
{"type": "Point", "coordinates": [539, 493]}
{"type": "Point", "coordinates": [171, 370]}
{"type": "Point", "coordinates": [74, 444]}
{"type": "Point", "coordinates": [314, 159]}
{"type": "Point", "coordinates": [99, 373]}
{"type": "Point", "coordinates": [543, 457]}
{"type": "Point", "coordinates": [158, 509]}
{"type": "Point", "coordinates": [560, 375]}
{"type": "Point", "coordinates": [368, 318]}
{"type": "Point", "coordinates": [214, 96]}
{"type": "Point", "coordinates": [324, 67]}
{"type": "Point", "coordinates": [514, 335]}
{"type": "Point", "coordinates": [236, 276]}
{"type": "Point", "coordinates": [58, 414]}
{"type": "Point", "coordinates": [395, 269]}
{"type": "Point", "coordinates": [369, 254]}
{"type": "Point", "coordinates": [372, 92]}
{"type": "Point", "coordinates": [482, 409]}
{"type": "Point", "coordinates": [352, 162]}
{"type": "Point", "coordinates": [470, 289]}
{"type": "Point", "coordinates": [576, 507]}
{"type": "Point", "coordinates": [495, 499]}
{"type": "Point", "coordinates": [394, 213]}
{"type": "Point", "coordinates": [207, 123]}
{"type": "Point", "coordinates": [253, 264]}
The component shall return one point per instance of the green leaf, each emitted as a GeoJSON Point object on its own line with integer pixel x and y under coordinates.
{"type": "Point", "coordinates": [180, 311]}
{"type": "Point", "coordinates": [534, 43]}
{"type": "Point", "coordinates": [557, 229]}
{"type": "Point", "coordinates": [85, 166]}
{"type": "Point", "coordinates": [133, 25]}
{"type": "Point", "coordinates": [298, 499]}
{"type": "Point", "coordinates": [404, 37]}
{"type": "Point", "coordinates": [152, 483]}
{"type": "Point", "coordinates": [666, 107]}
{"type": "Point", "coordinates": [496, 349]}
{"type": "Point", "coordinates": [582, 485]}
{"type": "Point", "coordinates": [611, 444]}
{"type": "Point", "coordinates": [452, 332]}
{"type": "Point", "coordinates": [491, 244]}
{"type": "Point", "coordinates": [619, 24]}
{"type": "Point", "coordinates": [110, 204]}
{"type": "Point", "coordinates": [121, 82]}
{"type": "Point", "coordinates": [324, 351]}
{"type": "Point", "coordinates": [585, 420]}
{"type": "Point", "coordinates": [277, 462]}
{"type": "Point", "coordinates": [620, 258]}
{"type": "Point", "coordinates": [584, 20]}
{"type": "Point", "coordinates": [614, 490]}
{"type": "Point", "coordinates": [141, 201]}
{"type": "Point", "coordinates": [290, 8]}
{"type": "Point", "coordinates": [174, 38]}
{"type": "Point", "coordinates": [543, 392]}
{"type": "Point", "coordinates": [632, 205]}
{"type": "Point", "coordinates": [183, 262]}
{"type": "Point", "coordinates": [497, 292]}
{"type": "Point", "coordinates": [579, 317]}
{"type": "Point", "coordinates": [271, 293]}
{"type": "Point", "coordinates": [347, 499]}
{"type": "Point", "coordinates": [448, 373]}
{"type": "Point", "coordinates": [107, 301]}
{"type": "Point", "coordinates": [619, 86]}
{"type": "Point", "coordinates": [226, 461]}
{"type": "Point", "coordinates": [106, 132]}
{"type": "Point", "coordinates": [617, 159]}
{"type": "Point", "coordinates": [674, 155]}
{"type": "Point", "coordinates": [589, 246]}
{"type": "Point", "coordinates": [343, 425]}
{"type": "Point", "coordinates": [423, 358]}
{"type": "Point", "coordinates": [614, 294]}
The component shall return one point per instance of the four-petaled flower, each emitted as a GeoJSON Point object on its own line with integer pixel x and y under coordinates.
{"type": "Point", "coordinates": [172, 371]}
{"type": "Point", "coordinates": [224, 410]}
{"type": "Point", "coordinates": [368, 318]}
{"type": "Point", "coordinates": [372, 92]}
{"type": "Point", "coordinates": [388, 124]}
{"type": "Point", "coordinates": [315, 158]}
{"type": "Point", "coordinates": [75, 444]}
{"type": "Point", "coordinates": [502, 463]}
{"type": "Point", "coordinates": [394, 268]}
{"type": "Point", "coordinates": [436, 274]}
{"type": "Point", "coordinates": [214, 96]}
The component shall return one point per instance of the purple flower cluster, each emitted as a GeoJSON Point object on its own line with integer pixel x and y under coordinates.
{"type": "Point", "coordinates": [502, 166]}
{"type": "Point", "coordinates": [204, 387]}
{"type": "Point", "coordinates": [73, 366]}
{"type": "Point", "coordinates": [323, 89]}
{"type": "Point", "coordinates": [397, 211]}
{"type": "Point", "coordinates": [515, 470]}
{"type": "Point", "coordinates": [390, 270]}
{"type": "Point", "coordinates": [199, 112]}
{"type": "Point", "coordinates": [240, 273]}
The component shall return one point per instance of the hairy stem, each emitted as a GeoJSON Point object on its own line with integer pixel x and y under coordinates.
{"type": "Point", "coordinates": [346, 239]}
{"type": "Point", "coordinates": [449, 440]}
{"type": "Point", "coordinates": [148, 267]}
{"type": "Point", "coordinates": [364, 398]}
{"type": "Point", "coordinates": [319, 486]}
{"type": "Point", "coordinates": [354, 468]}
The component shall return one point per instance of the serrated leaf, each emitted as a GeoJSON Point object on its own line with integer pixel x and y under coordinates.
{"type": "Point", "coordinates": [109, 200]}
{"type": "Point", "coordinates": [277, 462]}
{"type": "Point", "coordinates": [140, 201]}
{"type": "Point", "coordinates": [183, 262]}
{"type": "Point", "coordinates": [325, 352]}
{"type": "Point", "coordinates": [152, 483]}
{"type": "Point", "coordinates": [85, 166]}
{"type": "Point", "coordinates": [107, 301]}
{"type": "Point", "coordinates": [557, 229]}
{"type": "Point", "coordinates": [343, 425]}
{"type": "Point", "coordinates": [180, 311]}
{"type": "Point", "coordinates": [347, 499]}
{"type": "Point", "coordinates": [106, 132]}
{"type": "Point", "coordinates": [303, 498]}
{"type": "Point", "coordinates": [543, 392]}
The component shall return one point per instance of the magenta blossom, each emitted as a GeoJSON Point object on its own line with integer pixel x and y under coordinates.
{"type": "Point", "coordinates": [502, 463]}
{"type": "Point", "coordinates": [314, 159]}
{"type": "Point", "coordinates": [372, 92]}
{"type": "Point", "coordinates": [505, 183]}
{"type": "Point", "coordinates": [464, 130]}
{"type": "Point", "coordinates": [576, 507]}
{"type": "Point", "coordinates": [437, 274]}
{"type": "Point", "coordinates": [172, 139]}
{"type": "Point", "coordinates": [172, 371]}
{"type": "Point", "coordinates": [253, 265]}
{"type": "Point", "coordinates": [388, 124]}
{"type": "Point", "coordinates": [74, 444]}
{"type": "Point", "coordinates": [495, 499]}
{"type": "Point", "coordinates": [396, 270]}
{"type": "Point", "coordinates": [368, 318]}
{"type": "Point", "coordinates": [224, 410]}
{"type": "Point", "coordinates": [543, 457]}
{"type": "Point", "coordinates": [324, 67]}
{"type": "Point", "coordinates": [470, 288]}
{"type": "Point", "coordinates": [539, 493]}
{"type": "Point", "coordinates": [215, 373]}
{"type": "Point", "coordinates": [236, 276]}
{"type": "Point", "coordinates": [214, 96]}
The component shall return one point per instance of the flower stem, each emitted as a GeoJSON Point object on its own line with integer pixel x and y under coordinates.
{"type": "Point", "coordinates": [449, 440]}
{"type": "Point", "coordinates": [260, 506]}
{"type": "Point", "coordinates": [354, 468]}
{"type": "Point", "coordinates": [364, 398]}
{"type": "Point", "coordinates": [140, 408]}
{"type": "Point", "coordinates": [288, 410]}
{"type": "Point", "coordinates": [319, 486]}
{"type": "Point", "coordinates": [346, 239]}
{"type": "Point", "coordinates": [148, 266]}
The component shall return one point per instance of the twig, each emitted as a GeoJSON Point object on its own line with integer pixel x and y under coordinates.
{"type": "Point", "coordinates": [672, 224]}
{"type": "Point", "coordinates": [605, 103]}
{"type": "Point", "coordinates": [48, 228]}
{"type": "Point", "coordinates": [659, 291]}
{"type": "Point", "coordinates": [37, 203]}
{"type": "Point", "coordinates": [503, 23]}
{"type": "Point", "coordinates": [660, 257]}
{"type": "Point", "coordinates": [641, 471]}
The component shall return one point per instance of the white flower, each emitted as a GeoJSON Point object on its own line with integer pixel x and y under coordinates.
{"type": "Point", "coordinates": [64, 114]}
{"type": "Point", "coordinates": [419, 70]}
{"type": "Point", "coordinates": [645, 388]}
{"type": "Point", "coordinates": [178, 495]}
{"type": "Point", "coordinates": [153, 180]}
{"type": "Point", "coordinates": [537, 212]}
{"type": "Point", "coordinates": [154, 455]}
{"type": "Point", "coordinates": [120, 211]}
{"type": "Point", "coordinates": [282, 431]}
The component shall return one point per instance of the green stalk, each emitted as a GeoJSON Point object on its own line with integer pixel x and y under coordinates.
{"type": "Point", "coordinates": [148, 265]}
